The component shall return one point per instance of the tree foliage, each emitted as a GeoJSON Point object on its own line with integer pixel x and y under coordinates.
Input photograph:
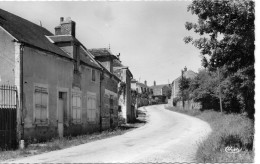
{"type": "Point", "coordinates": [184, 84]}
{"type": "Point", "coordinates": [228, 30]}
{"type": "Point", "coordinates": [227, 42]}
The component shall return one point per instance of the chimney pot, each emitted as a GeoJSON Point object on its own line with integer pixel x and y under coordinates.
{"type": "Point", "coordinates": [145, 82]}
{"type": "Point", "coordinates": [154, 83]}
{"type": "Point", "coordinates": [61, 19]}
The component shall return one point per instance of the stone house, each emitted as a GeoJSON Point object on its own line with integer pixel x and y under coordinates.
{"type": "Point", "coordinates": [189, 104]}
{"type": "Point", "coordinates": [128, 111]}
{"type": "Point", "coordinates": [140, 87]}
{"type": "Point", "coordinates": [59, 83]}
{"type": "Point", "coordinates": [109, 87]}
{"type": "Point", "coordinates": [161, 90]}
{"type": "Point", "coordinates": [175, 83]}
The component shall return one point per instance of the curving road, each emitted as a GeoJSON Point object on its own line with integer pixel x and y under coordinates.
{"type": "Point", "coordinates": [166, 137]}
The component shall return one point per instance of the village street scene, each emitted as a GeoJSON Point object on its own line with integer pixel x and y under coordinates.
{"type": "Point", "coordinates": [127, 82]}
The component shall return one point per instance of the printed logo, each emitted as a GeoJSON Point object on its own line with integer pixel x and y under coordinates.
{"type": "Point", "coordinates": [230, 149]}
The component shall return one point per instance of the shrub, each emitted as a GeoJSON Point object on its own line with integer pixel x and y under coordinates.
{"type": "Point", "coordinates": [174, 101]}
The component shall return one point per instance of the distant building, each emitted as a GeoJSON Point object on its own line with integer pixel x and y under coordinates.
{"type": "Point", "coordinates": [125, 99]}
{"type": "Point", "coordinates": [175, 84]}
{"type": "Point", "coordinates": [140, 87]}
{"type": "Point", "coordinates": [162, 89]}
{"type": "Point", "coordinates": [109, 88]}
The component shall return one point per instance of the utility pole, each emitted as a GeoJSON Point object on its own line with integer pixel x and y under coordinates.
{"type": "Point", "coordinates": [182, 94]}
{"type": "Point", "coordinates": [220, 99]}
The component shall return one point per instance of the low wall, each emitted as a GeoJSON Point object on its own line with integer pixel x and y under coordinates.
{"type": "Point", "coordinates": [188, 105]}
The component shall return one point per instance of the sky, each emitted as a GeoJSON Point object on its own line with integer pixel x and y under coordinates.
{"type": "Point", "coordinates": [148, 35]}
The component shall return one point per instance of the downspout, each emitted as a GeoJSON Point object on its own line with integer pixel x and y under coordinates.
{"type": "Point", "coordinates": [100, 96]}
{"type": "Point", "coordinates": [21, 88]}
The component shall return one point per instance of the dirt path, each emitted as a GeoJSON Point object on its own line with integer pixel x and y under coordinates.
{"type": "Point", "coordinates": [167, 137]}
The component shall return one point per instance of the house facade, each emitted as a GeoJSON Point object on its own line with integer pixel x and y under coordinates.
{"type": "Point", "coordinates": [175, 84]}
{"type": "Point", "coordinates": [188, 104]}
{"type": "Point", "coordinates": [128, 110]}
{"type": "Point", "coordinates": [140, 87]}
{"type": "Point", "coordinates": [62, 90]}
{"type": "Point", "coordinates": [162, 90]}
{"type": "Point", "coordinates": [109, 88]}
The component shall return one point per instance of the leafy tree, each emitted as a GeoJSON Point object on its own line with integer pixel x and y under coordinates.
{"type": "Point", "coordinates": [169, 93]}
{"type": "Point", "coordinates": [184, 84]}
{"type": "Point", "coordinates": [228, 39]}
{"type": "Point", "coordinates": [229, 29]}
{"type": "Point", "coordinates": [204, 88]}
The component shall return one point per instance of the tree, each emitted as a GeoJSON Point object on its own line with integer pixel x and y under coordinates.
{"type": "Point", "coordinates": [184, 84]}
{"type": "Point", "coordinates": [204, 89]}
{"type": "Point", "coordinates": [229, 29]}
{"type": "Point", "coordinates": [228, 39]}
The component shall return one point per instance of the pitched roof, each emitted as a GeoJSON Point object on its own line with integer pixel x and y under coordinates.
{"type": "Point", "coordinates": [101, 53]}
{"type": "Point", "coordinates": [188, 74]}
{"type": "Point", "coordinates": [28, 32]}
{"type": "Point", "coordinates": [142, 85]}
{"type": "Point", "coordinates": [160, 86]}
{"type": "Point", "coordinates": [87, 59]}
{"type": "Point", "coordinates": [62, 38]}
{"type": "Point", "coordinates": [108, 72]}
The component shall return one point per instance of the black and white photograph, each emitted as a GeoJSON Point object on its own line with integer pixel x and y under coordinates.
{"type": "Point", "coordinates": [128, 81]}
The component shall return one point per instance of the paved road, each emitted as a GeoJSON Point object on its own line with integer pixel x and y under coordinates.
{"type": "Point", "coordinates": [167, 137]}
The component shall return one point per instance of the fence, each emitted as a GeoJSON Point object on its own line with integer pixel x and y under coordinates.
{"type": "Point", "coordinates": [8, 123]}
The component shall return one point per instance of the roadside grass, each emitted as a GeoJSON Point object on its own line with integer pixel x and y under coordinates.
{"type": "Point", "coordinates": [66, 142]}
{"type": "Point", "coordinates": [59, 143]}
{"type": "Point", "coordinates": [233, 130]}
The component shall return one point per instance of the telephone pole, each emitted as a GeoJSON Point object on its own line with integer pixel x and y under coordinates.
{"type": "Point", "coordinates": [182, 94]}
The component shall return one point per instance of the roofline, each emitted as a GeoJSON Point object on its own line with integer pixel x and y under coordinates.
{"type": "Point", "coordinates": [33, 46]}
{"type": "Point", "coordinates": [89, 54]}
{"type": "Point", "coordinates": [82, 62]}
{"type": "Point", "coordinates": [48, 37]}
{"type": "Point", "coordinates": [41, 49]}
{"type": "Point", "coordinates": [127, 68]}
{"type": "Point", "coordinates": [107, 71]}
{"type": "Point", "coordinates": [9, 33]}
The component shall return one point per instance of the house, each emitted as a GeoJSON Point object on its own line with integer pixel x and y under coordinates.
{"type": "Point", "coordinates": [144, 92]}
{"type": "Point", "coordinates": [140, 87]}
{"type": "Point", "coordinates": [59, 84]}
{"type": "Point", "coordinates": [188, 104]}
{"type": "Point", "coordinates": [162, 89]}
{"type": "Point", "coordinates": [109, 87]}
{"type": "Point", "coordinates": [161, 92]}
{"type": "Point", "coordinates": [125, 98]}
{"type": "Point", "coordinates": [175, 83]}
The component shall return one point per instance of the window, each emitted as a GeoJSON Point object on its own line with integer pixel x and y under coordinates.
{"type": "Point", "coordinates": [111, 102]}
{"type": "Point", "coordinates": [40, 104]}
{"type": "Point", "coordinates": [93, 75]}
{"type": "Point", "coordinates": [91, 108]}
{"type": "Point", "coordinates": [76, 107]}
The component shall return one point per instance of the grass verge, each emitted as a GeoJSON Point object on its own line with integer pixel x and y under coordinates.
{"type": "Point", "coordinates": [233, 130]}
{"type": "Point", "coordinates": [66, 142]}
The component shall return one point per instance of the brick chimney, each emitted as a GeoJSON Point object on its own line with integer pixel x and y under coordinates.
{"type": "Point", "coordinates": [145, 82]}
{"type": "Point", "coordinates": [66, 27]}
{"type": "Point", "coordinates": [154, 83]}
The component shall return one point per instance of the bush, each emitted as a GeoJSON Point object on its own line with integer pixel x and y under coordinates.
{"type": "Point", "coordinates": [175, 100]}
